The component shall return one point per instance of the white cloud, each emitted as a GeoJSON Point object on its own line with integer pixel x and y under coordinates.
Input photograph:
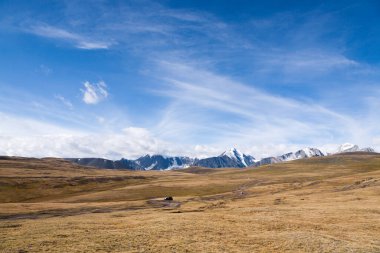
{"type": "Point", "coordinates": [41, 139]}
{"type": "Point", "coordinates": [78, 40]}
{"type": "Point", "coordinates": [94, 93]}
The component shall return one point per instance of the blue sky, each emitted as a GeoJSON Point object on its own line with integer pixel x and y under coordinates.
{"type": "Point", "coordinates": [125, 78]}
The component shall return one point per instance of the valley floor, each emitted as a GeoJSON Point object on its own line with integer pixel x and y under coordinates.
{"type": "Point", "coordinates": [329, 204]}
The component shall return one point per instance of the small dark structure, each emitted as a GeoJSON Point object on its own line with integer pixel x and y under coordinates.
{"type": "Point", "coordinates": [168, 198]}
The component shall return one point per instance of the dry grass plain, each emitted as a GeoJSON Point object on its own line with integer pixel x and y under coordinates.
{"type": "Point", "coordinates": [329, 204]}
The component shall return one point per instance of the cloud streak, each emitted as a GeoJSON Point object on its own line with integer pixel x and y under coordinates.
{"type": "Point", "coordinates": [79, 41]}
{"type": "Point", "coordinates": [249, 118]}
{"type": "Point", "coordinates": [94, 93]}
{"type": "Point", "coordinates": [64, 101]}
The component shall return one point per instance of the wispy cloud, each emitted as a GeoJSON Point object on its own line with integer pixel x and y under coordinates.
{"type": "Point", "coordinates": [94, 93]}
{"type": "Point", "coordinates": [22, 103]}
{"type": "Point", "coordinates": [308, 61]}
{"type": "Point", "coordinates": [79, 41]}
{"type": "Point", "coordinates": [65, 101]}
{"type": "Point", "coordinates": [237, 114]}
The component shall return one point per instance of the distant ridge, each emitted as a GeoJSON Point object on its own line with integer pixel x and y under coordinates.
{"type": "Point", "coordinates": [147, 162]}
{"type": "Point", "coordinates": [349, 147]}
{"type": "Point", "coordinates": [232, 158]}
{"type": "Point", "coordinates": [300, 154]}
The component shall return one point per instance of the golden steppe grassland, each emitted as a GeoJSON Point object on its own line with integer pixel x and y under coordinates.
{"type": "Point", "coordinates": [329, 204]}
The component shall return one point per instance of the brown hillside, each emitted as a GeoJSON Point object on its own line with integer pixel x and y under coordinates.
{"type": "Point", "coordinates": [328, 204]}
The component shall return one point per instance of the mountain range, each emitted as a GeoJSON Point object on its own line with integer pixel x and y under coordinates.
{"type": "Point", "coordinates": [232, 158]}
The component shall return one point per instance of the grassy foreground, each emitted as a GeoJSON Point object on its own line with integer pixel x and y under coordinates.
{"type": "Point", "coordinates": [329, 204]}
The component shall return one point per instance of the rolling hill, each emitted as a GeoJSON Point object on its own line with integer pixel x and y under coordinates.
{"type": "Point", "coordinates": [321, 204]}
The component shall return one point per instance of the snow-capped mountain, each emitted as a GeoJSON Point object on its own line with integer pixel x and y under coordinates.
{"type": "Point", "coordinates": [370, 150]}
{"type": "Point", "coordinates": [307, 153]}
{"type": "Point", "coordinates": [234, 154]}
{"type": "Point", "coordinates": [160, 162]}
{"type": "Point", "coordinates": [232, 158]}
{"type": "Point", "coordinates": [349, 147]}
{"type": "Point", "coordinates": [269, 160]}
{"type": "Point", "coordinates": [300, 154]}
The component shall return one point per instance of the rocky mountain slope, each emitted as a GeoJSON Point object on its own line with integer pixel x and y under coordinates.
{"type": "Point", "coordinates": [232, 158]}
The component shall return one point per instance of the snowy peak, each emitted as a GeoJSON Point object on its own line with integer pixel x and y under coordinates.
{"type": "Point", "coordinates": [370, 150]}
{"type": "Point", "coordinates": [349, 147]}
{"type": "Point", "coordinates": [235, 154]}
{"type": "Point", "coordinates": [161, 162]}
{"type": "Point", "coordinates": [287, 157]}
{"type": "Point", "coordinates": [300, 154]}
{"type": "Point", "coordinates": [308, 152]}
{"type": "Point", "coordinates": [232, 158]}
